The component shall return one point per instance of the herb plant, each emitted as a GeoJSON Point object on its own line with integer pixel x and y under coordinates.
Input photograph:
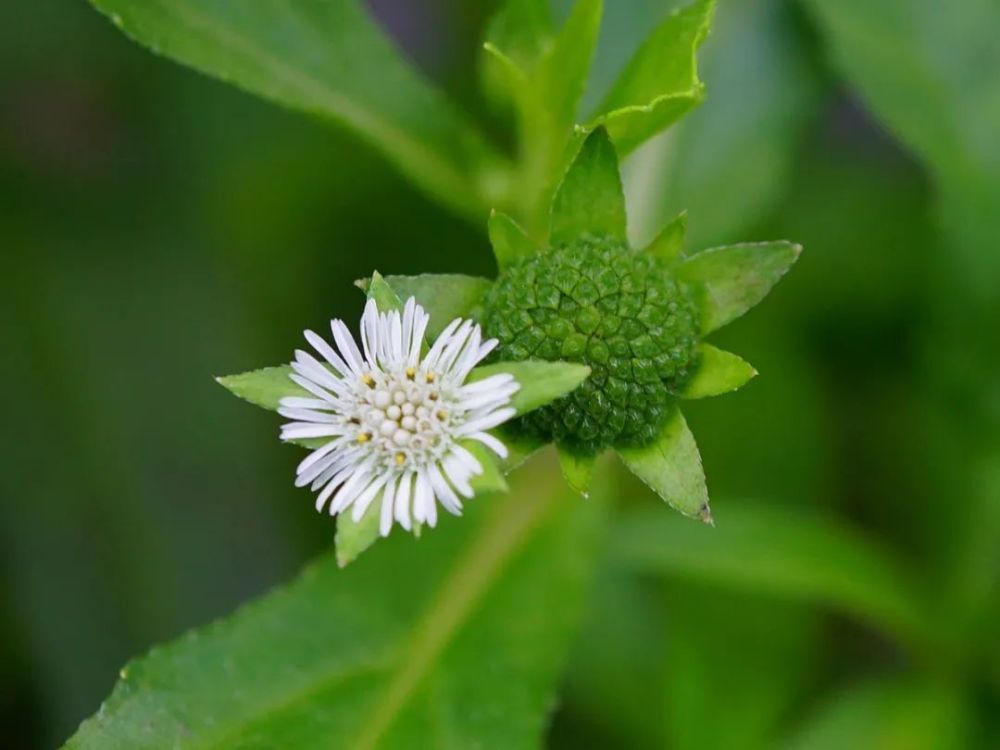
{"type": "Point", "coordinates": [593, 345]}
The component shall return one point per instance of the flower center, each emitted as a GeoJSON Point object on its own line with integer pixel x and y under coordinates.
{"type": "Point", "coordinates": [405, 417]}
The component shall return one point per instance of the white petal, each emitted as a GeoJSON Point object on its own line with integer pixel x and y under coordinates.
{"type": "Point", "coordinates": [486, 422]}
{"type": "Point", "coordinates": [369, 333]}
{"type": "Point", "coordinates": [491, 399]}
{"type": "Point", "coordinates": [303, 430]}
{"type": "Point", "coordinates": [324, 469]}
{"type": "Point", "coordinates": [430, 361]}
{"type": "Point", "coordinates": [309, 415]}
{"type": "Point", "coordinates": [490, 442]}
{"type": "Point", "coordinates": [470, 355]}
{"type": "Point", "coordinates": [385, 517]}
{"type": "Point", "coordinates": [486, 347]}
{"type": "Point", "coordinates": [401, 503]}
{"type": "Point", "coordinates": [365, 498]}
{"type": "Point", "coordinates": [443, 491]}
{"type": "Point", "coordinates": [298, 402]}
{"type": "Point", "coordinates": [470, 462]}
{"type": "Point", "coordinates": [486, 384]}
{"type": "Point", "coordinates": [458, 474]}
{"type": "Point", "coordinates": [308, 366]}
{"type": "Point", "coordinates": [310, 386]}
{"type": "Point", "coordinates": [325, 495]}
{"type": "Point", "coordinates": [345, 342]}
{"type": "Point", "coordinates": [424, 505]}
{"type": "Point", "coordinates": [351, 489]}
{"type": "Point", "coordinates": [421, 319]}
{"type": "Point", "coordinates": [315, 456]}
{"type": "Point", "coordinates": [320, 345]}
{"type": "Point", "coordinates": [455, 346]}
{"type": "Point", "coordinates": [334, 474]}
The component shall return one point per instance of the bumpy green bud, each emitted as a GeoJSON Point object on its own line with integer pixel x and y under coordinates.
{"type": "Point", "coordinates": [621, 312]}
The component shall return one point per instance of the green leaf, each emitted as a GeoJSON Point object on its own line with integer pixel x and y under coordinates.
{"type": "Point", "coordinates": [718, 372]}
{"type": "Point", "coordinates": [384, 295]}
{"type": "Point", "coordinates": [510, 243]}
{"type": "Point", "coordinates": [541, 382]}
{"type": "Point", "coordinates": [327, 59]}
{"type": "Point", "coordinates": [562, 73]}
{"type": "Point", "coordinates": [521, 29]}
{"type": "Point", "coordinates": [492, 479]}
{"type": "Point", "coordinates": [444, 296]}
{"type": "Point", "coordinates": [781, 551]}
{"type": "Point", "coordinates": [660, 83]}
{"type": "Point", "coordinates": [671, 467]}
{"type": "Point", "coordinates": [546, 87]}
{"type": "Point", "coordinates": [732, 160]}
{"type": "Point", "coordinates": [577, 470]}
{"type": "Point", "coordinates": [896, 713]}
{"type": "Point", "coordinates": [668, 243]}
{"type": "Point", "coordinates": [520, 447]}
{"type": "Point", "coordinates": [736, 277]}
{"type": "Point", "coordinates": [265, 387]}
{"type": "Point", "coordinates": [354, 537]}
{"type": "Point", "coordinates": [387, 652]}
{"type": "Point", "coordinates": [590, 198]}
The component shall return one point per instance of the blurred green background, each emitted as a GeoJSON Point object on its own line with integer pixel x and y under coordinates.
{"type": "Point", "coordinates": [158, 228]}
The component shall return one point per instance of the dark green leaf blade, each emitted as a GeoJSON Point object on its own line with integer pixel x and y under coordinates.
{"type": "Point", "coordinates": [541, 382]}
{"type": "Point", "coordinates": [718, 372]}
{"type": "Point", "coordinates": [590, 199]}
{"type": "Point", "coordinates": [328, 59]}
{"type": "Point", "coordinates": [445, 296]}
{"type": "Point", "coordinates": [661, 82]}
{"type": "Point", "coordinates": [361, 657]}
{"type": "Point", "coordinates": [736, 277]}
{"type": "Point", "coordinates": [671, 467]}
{"type": "Point", "coordinates": [783, 551]}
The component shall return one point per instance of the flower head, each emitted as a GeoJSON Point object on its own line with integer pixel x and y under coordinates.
{"type": "Point", "coordinates": [394, 419]}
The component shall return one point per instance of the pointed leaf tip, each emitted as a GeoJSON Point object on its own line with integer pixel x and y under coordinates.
{"type": "Point", "coordinates": [660, 84]}
{"type": "Point", "coordinates": [671, 467]}
{"type": "Point", "coordinates": [590, 199]}
{"type": "Point", "coordinates": [510, 242]}
{"type": "Point", "coordinates": [669, 242]}
{"type": "Point", "coordinates": [264, 387]}
{"type": "Point", "coordinates": [717, 372]}
{"type": "Point", "coordinates": [382, 292]}
{"type": "Point", "coordinates": [577, 470]}
{"type": "Point", "coordinates": [444, 296]}
{"type": "Point", "coordinates": [734, 278]}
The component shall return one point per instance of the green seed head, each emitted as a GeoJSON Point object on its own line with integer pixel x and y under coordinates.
{"type": "Point", "coordinates": [596, 301]}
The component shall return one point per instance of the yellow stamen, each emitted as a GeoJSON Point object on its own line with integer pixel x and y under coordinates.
{"type": "Point", "coordinates": [364, 437]}
{"type": "Point", "coordinates": [430, 377]}
{"type": "Point", "coordinates": [400, 459]}
{"type": "Point", "coordinates": [410, 373]}
{"type": "Point", "coordinates": [368, 380]}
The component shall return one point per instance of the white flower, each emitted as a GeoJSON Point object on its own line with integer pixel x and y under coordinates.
{"type": "Point", "coordinates": [395, 421]}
